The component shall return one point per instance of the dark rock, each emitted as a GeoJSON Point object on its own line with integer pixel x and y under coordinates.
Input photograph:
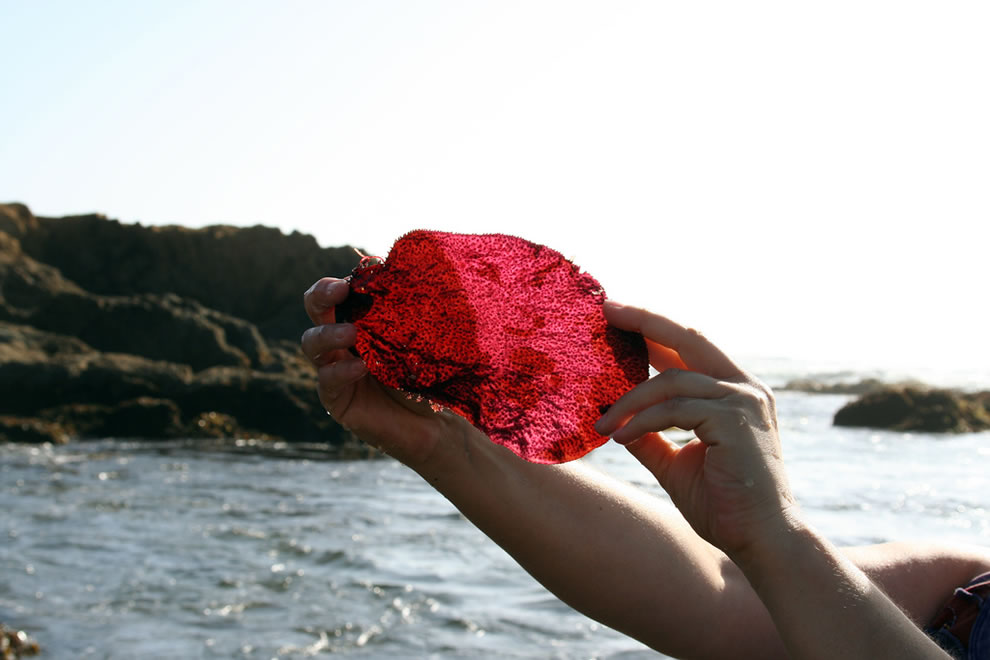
{"type": "Point", "coordinates": [906, 408]}
{"type": "Point", "coordinates": [20, 340]}
{"type": "Point", "coordinates": [254, 273]}
{"type": "Point", "coordinates": [159, 327]}
{"type": "Point", "coordinates": [212, 425]}
{"type": "Point", "coordinates": [25, 284]}
{"type": "Point", "coordinates": [16, 644]}
{"type": "Point", "coordinates": [39, 370]}
{"type": "Point", "coordinates": [16, 220]}
{"type": "Point", "coordinates": [288, 359]}
{"type": "Point", "coordinates": [133, 350]}
{"type": "Point", "coordinates": [31, 431]}
{"type": "Point", "coordinates": [93, 394]}
{"type": "Point", "coordinates": [272, 404]}
{"type": "Point", "coordinates": [143, 417]}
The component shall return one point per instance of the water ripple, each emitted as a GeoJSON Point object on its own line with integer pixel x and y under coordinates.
{"type": "Point", "coordinates": [172, 550]}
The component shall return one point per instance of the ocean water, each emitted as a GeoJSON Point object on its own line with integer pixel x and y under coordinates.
{"type": "Point", "coordinates": [119, 549]}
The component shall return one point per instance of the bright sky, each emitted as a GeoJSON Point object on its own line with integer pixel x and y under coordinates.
{"type": "Point", "coordinates": [795, 179]}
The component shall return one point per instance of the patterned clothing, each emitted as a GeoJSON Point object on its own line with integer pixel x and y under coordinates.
{"type": "Point", "coordinates": [962, 628]}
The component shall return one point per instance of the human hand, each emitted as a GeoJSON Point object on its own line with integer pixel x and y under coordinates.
{"type": "Point", "coordinates": [729, 482]}
{"type": "Point", "coordinates": [383, 417]}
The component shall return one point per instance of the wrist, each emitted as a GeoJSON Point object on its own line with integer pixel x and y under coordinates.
{"type": "Point", "coordinates": [788, 553]}
{"type": "Point", "coordinates": [772, 541]}
{"type": "Point", "coordinates": [451, 444]}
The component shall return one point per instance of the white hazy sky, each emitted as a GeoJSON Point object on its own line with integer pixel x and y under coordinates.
{"type": "Point", "coordinates": [796, 179]}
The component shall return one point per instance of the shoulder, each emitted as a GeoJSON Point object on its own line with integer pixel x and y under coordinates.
{"type": "Point", "coordinates": [920, 577]}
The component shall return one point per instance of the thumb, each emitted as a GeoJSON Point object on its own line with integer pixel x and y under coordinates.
{"type": "Point", "coordinates": [658, 455]}
{"type": "Point", "coordinates": [655, 452]}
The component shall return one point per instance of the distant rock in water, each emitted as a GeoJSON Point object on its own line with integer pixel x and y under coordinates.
{"type": "Point", "coordinates": [115, 330]}
{"type": "Point", "coordinates": [858, 387]}
{"type": "Point", "coordinates": [815, 386]}
{"type": "Point", "coordinates": [16, 644]}
{"type": "Point", "coordinates": [912, 408]}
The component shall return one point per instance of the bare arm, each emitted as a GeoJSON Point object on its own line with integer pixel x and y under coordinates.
{"type": "Point", "coordinates": [919, 577]}
{"type": "Point", "coordinates": [609, 550]}
{"type": "Point", "coordinates": [605, 548]}
{"type": "Point", "coordinates": [631, 562]}
{"type": "Point", "coordinates": [732, 488]}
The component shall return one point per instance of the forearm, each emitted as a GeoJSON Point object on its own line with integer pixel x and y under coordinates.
{"type": "Point", "coordinates": [607, 549]}
{"type": "Point", "coordinates": [795, 571]}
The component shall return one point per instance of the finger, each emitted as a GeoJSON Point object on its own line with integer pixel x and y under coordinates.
{"type": "Point", "coordinates": [687, 414]}
{"type": "Point", "coordinates": [669, 384]}
{"type": "Point", "coordinates": [320, 299]}
{"type": "Point", "coordinates": [325, 340]}
{"type": "Point", "coordinates": [335, 381]}
{"type": "Point", "coordinates": [662, 357]}
{"type": "Point", "coordinates": [694, 349]}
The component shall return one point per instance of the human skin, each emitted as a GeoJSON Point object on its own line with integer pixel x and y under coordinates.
{"type": "Point", "coordinates": [738, 558]}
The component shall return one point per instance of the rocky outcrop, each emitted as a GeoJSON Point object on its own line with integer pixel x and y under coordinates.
{"type": "Point", "coordinates": [16, 220]}
{"type": "Point", "coordinates": [252, 273]}
{"type": "Point", "coordinates": [149, 341]}
{"type": "Point", "coordinates": [912, 408]}
{"type": "Point", "coordinates": [159, 327]}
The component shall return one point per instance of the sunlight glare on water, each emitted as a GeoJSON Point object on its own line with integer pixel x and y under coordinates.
{"type": "Point", "coordinates": [124, 549]}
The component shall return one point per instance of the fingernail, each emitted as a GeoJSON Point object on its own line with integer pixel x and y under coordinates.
{"type": "Point", "coordinates": [357, 368]}
{"type": "Point", "coordinates": [342, 332]}
{"type": "Point", "coordinates": [601, 426]}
